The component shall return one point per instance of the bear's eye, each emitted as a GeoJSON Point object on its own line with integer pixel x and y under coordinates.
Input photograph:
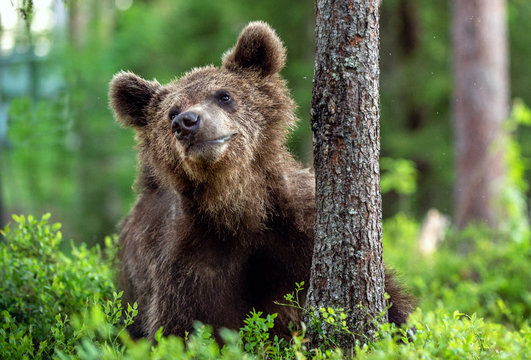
{"type": "Point", "coordinates": [173, 113]}
{"type": "Point", "coordinates": [224, 97]}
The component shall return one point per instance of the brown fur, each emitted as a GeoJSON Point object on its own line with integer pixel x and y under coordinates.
{"type": "Point", "coordinates": [218, 229]}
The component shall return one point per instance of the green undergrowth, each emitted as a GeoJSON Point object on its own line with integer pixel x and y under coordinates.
{"type": "Point", "coordinates": [473, 304]}
{"type": "Point", "coordinates": [473, 271]}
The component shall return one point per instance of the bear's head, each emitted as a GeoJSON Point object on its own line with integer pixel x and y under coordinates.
{"type": "Point", "coordinates": [214, 132]}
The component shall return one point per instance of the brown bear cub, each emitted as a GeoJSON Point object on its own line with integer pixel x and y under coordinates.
{"type": "Point", "coordinates": [224, 218]}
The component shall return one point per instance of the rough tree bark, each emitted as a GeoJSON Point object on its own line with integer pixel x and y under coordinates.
{"type": "Point", "coordinates": [481, 101]}
{"type": "Point", "coordinates": [347, 267]}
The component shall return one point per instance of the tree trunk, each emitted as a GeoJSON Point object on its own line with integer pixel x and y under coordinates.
{"type": "Point", "coordinates": [347, 269]}
{"type": "Point", "coordinates": [481, 93]}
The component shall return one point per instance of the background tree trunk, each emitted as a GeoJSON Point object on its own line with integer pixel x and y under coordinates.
{"type": "Point", "coordinates": [347, 267]}
{"type": "Point", "coordinates": [481, 93]}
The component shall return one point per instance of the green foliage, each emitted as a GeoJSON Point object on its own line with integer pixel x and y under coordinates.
{"type": "Point", "coordinates": [475, 271]}
{"type": "Point", "coordinates": [328, 325]}
{"type": "Point", "coordinates": [415, 88]}
{"type": "Point", "coordinates": [25, 9]}
{"type": "Point", "coordinates": [398, 175]}
{"type": "Point", "coordinates": [442, 335]}
{"type": "Point", "coordinates": [513, 194]}
{"type": "Point", "coordinates": [255, 334]}
{"type": "Point", "coordinates": [41, 286]}
{"type": "Point", "coordinates": [61, 306]}
{"type": "Point", "coordinates": [491, 279]}
{"type": "Point", "coordinates": [42, 142]}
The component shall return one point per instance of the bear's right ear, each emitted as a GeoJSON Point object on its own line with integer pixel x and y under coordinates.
{"type": "Point", "coordinates": [258, 49]}
{"type": "Point", "coordinates": [129, 96]}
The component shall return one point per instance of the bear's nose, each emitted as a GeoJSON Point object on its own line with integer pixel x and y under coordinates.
{"type": "Point", "coordinates": [185, 124]}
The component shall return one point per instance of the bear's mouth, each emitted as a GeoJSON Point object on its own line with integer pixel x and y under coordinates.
{"type": "Point", "coordinates": [216, 141]}
{"type": "Point", "coordinates": [220, 140]}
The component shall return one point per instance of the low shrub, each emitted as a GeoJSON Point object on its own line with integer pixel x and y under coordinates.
{"type": "Point", "coordinates": [476, 270]}
{"type": "Point", "coordinates": [64, 306]}
{"type": "Point", "coordinates": [42, 286]}
{"type": "Point", "coordinates": [442, 335]}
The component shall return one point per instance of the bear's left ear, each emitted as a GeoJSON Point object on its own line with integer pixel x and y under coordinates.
{"type": "Point", "coordinates": [258, 49]}
{"type": "Point", "coordinates": [129, 96]}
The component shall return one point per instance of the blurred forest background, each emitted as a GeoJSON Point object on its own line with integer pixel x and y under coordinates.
{"type": "Point", "coordinates": [61, 151]}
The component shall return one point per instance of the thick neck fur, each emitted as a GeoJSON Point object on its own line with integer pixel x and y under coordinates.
{"type": "Point", "coordinates": [239, 200]}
